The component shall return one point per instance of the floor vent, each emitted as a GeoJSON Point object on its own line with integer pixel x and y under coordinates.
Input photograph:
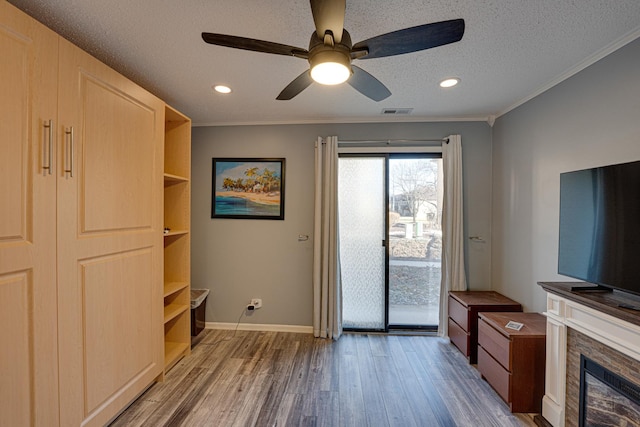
{"type": "Point", "coordinates": [396, 111]}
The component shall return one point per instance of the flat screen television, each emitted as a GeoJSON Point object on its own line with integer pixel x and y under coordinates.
{"type": "Point", "coordinates": [600, 226]}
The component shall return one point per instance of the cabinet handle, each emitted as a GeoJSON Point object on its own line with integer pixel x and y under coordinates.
{"type": "Point", "coordinates": [48, 126]}
{"type": "Point", "coordinates": [69, 155]}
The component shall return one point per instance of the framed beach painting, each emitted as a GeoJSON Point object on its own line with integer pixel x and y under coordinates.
{"type": "Point", "coordinates": [246, 188]}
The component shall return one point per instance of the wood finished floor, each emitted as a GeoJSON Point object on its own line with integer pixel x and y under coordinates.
{"type": "Point", "coordinates": [287, 379]}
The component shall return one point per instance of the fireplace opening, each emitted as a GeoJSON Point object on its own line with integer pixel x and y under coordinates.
{"type": "Point", "coordinates": [606, 398]}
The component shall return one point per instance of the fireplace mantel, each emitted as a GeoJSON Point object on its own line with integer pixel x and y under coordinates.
{"type": "Point", "coordinates": [595, 314]}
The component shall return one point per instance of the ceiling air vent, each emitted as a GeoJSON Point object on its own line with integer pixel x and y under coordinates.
{"type": "Point", "coordinates": [396, 111]}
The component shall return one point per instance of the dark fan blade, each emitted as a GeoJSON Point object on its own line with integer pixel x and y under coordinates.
{"type": "Point", "coordinates": [368, 85]}
{"type": "Point", "coordinates": [328, 15]}
{"type": "Point", "coordinates": [412, 39]}
{"type": "Point", "coordinates": [254, 45]}
{"type": "Point", "coordinates": [295, 87]}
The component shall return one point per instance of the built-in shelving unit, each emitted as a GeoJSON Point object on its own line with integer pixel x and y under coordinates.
{"type": "Point", "coordinates": [177, 258]}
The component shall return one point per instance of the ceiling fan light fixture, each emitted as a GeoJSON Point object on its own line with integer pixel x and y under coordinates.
{"type": "Point", "coordinates": [449, 82]}
{"type": "Point", "coordinates": [330, 67]}
{"type": "Point", "coordinates": [330, 73]}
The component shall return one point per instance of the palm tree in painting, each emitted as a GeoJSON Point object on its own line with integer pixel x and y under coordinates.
{"type": "Point", "coordinates": [257, 181]}
{"type": "Point", "coordinates": [269, 177]}
{"type": "Point", "coordinates": [228, 184]}
{"type": "Point", "coordinates": [249, 185]}
{"type": "Point", "coordinates": [250, 182]}
{"type": "Point", "coordinates": [251, 172]}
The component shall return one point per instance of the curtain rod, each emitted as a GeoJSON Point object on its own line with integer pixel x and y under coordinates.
{"type": "Point", "coordinates": [393, 141]}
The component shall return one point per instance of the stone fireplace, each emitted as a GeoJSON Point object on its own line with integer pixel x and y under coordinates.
{"type": "Point", "coordinates": [591, 325]}
{"type": "Point", "coordinates": [607, 358]}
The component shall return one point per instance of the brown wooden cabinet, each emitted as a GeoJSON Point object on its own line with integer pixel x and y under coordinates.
{"type": "Point", "coordinates": [512, 361]}
{"type": "Point", "coordinates": [464, 307]}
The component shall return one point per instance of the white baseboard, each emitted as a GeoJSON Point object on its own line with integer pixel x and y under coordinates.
{"type": "Point", "coordinates": [260, 327]}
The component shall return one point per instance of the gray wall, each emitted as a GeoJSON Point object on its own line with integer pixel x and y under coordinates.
{"type": "Point", "coordinates": [591, 119]}
{"type": "Point", "coordinates": [243, 259]}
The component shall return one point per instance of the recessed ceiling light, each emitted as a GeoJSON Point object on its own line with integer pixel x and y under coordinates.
{"type": "Point", "coordinates": [222, 89]}
{"type": "Point", "coordinates": [450, 82]}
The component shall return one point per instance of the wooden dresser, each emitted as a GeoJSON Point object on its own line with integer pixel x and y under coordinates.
{"type": "Point", "coordinates": [464, 307]}
{"type": "Point", "coordinates": [513, 361]}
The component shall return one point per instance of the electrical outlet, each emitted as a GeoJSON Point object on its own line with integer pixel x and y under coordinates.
{"type": "Point", "coordinates": [256, 302]}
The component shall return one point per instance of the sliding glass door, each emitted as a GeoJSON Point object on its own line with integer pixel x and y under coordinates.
{"type": "Point", "coordinates": [415, 241]}
{"type": "Point", "coordinates": [361, 201]}
{"type": "Point", "coordinates": [390, 240]}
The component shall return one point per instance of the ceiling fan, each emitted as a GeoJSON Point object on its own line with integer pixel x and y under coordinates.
{"type": "Point", "coordinates": [331, 52]}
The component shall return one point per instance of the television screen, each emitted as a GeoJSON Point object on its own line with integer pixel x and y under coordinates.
{"type": "Point", "coordinates": [600, 226]}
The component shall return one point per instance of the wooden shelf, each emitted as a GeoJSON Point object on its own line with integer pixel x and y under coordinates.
{"type": "Point", "coordinates": [173, 310]}
{"type": "Point", "coordinates": [170, 179]}
{"type": "Point", "coordinates": [173, 351]}
{"type": "Point", "coordinates": [177, 244]}
{"type": "Point", "coordinates": [611, 302]}
{"type": "Point", "coordinates": [176, 233]}
{"type": "Point", "coordinates": [171, 288]}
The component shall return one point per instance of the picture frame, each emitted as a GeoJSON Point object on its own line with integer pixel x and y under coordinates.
{"type": "Point", "coordinates": [248, 188]}
{"type": "Point", "coordinates": [514, 325]}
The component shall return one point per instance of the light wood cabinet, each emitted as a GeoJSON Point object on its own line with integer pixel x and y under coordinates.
{"type": "Point", "coordinates": [109, 238]}
{"type": "Point", "coordinates": [81, 219]}
{"type": "Point", "coordinates": [177, 214]}
{"type": "Point", "coordinates": [28, 311]}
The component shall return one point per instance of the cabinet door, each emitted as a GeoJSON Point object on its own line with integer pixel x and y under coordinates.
{"type": "Point", "coordinates": [109, 239]}
{"type": "Point", "coordinates": [28, 353]}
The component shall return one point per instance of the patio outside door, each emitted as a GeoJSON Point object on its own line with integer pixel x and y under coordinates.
{"type": "Point", "coordinates": [390, 241]}
{"type": "Point", "coordinates": [415, 241]}
{"type": "Point", "coordinates": [362, 206]}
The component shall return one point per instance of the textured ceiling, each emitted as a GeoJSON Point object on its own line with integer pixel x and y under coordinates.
{"type": "Point", "coordinates": [511, 51]}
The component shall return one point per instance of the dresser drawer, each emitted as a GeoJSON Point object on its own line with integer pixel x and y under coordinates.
{"type": "Point", "coordinates": [512, 361]}
{"type": "Point", "coordinates": [459, 313]}
{"type": "Point", "coordinates": [494, 343]}
{"type": "Point", "coordinates": [494, 373]}
{"type": "Point", "coordinates": [458, 337]}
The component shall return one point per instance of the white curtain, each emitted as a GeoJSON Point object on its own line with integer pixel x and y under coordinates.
{"type": "Point", "coordinates": [453, 275]}
{"type": "Point", "coordinates": [327, 301]}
